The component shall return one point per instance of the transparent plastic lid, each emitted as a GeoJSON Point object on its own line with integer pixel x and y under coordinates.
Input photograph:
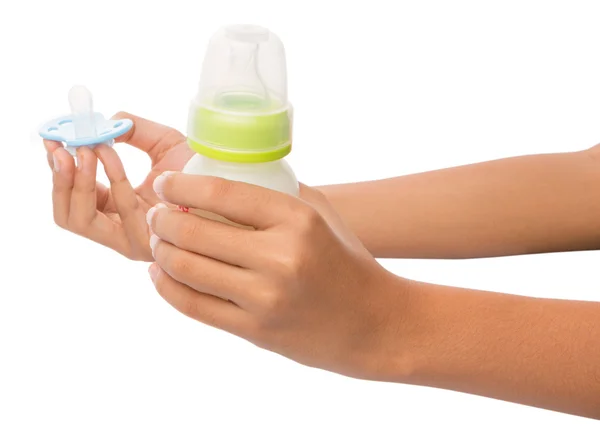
{"type": "Point", "coordinates": [244, 71]}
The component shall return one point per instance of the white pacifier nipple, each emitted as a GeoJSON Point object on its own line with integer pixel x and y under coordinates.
{"type": "Point", "coordinates": [80, 100]}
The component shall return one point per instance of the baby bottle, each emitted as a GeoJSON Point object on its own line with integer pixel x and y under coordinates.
{"type": "Point", "coordinates": [240, 122]}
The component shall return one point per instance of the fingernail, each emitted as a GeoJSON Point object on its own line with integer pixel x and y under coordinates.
{"type": "Point", "coordinates": [153, 271]}
{"type": "Point", "coordinates": [152, 211]}
{"type": "Point", "coordinates": [55, 163]}
{"type": "Point", "coordinates": [47, 146]}
{"type": "Point", "coordinates": [159, 183]}
{"type": "Point", "coordinates": [153, 241]}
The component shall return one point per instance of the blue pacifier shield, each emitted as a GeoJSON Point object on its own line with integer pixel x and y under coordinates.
{"type": "Point", "coordinates": [62, 129]}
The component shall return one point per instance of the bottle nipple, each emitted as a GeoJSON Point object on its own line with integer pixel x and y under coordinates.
{"type": "Point", "coordinates": [242, 87]}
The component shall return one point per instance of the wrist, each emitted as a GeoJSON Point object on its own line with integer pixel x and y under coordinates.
{"type": "Point", "coordinates": [393, 348]}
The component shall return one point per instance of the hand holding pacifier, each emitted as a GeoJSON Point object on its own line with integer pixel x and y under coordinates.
{"type": "Point", "coordinates": [83, 127]}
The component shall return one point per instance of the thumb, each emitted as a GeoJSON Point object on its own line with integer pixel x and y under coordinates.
{"type": "Point", "coordinates": [150, 137]}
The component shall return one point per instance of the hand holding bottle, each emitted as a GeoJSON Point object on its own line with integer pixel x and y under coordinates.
{"type": "Point", "coordinates": [301, 284]}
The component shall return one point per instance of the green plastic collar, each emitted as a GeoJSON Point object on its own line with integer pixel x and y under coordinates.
{"type": "Point", "coordinates": [239, 138]}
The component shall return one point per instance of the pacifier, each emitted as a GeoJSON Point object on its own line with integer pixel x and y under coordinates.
{"type": "Point", "coordinates": [83, 127]}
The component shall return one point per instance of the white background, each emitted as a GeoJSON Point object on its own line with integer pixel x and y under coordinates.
{"type": "Point", "coordinates": [380, 89]}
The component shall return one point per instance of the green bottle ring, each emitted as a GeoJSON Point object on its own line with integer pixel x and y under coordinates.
{"type": "Point", "coordinates": [233, 137]}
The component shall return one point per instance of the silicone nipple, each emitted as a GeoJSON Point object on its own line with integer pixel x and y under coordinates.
{"type": "Point", "coordinates": [82, 110]}
{"type": "Point", "coordinates": [242, 88]}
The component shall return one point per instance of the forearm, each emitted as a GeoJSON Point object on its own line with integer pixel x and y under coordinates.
{"type": "Point", "coordinates": [539, 352]}
{"type": "Point", "coordinates": [528, 204]}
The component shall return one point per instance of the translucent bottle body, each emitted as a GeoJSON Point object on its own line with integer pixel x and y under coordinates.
{"type": "Point", "coordinates": [276, 175]}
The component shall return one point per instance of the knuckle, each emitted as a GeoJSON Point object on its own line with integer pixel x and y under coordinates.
{"type": "Point", "coordinates": [210, 318]}
{"type": "Point", "coordinates": [118, 180]}
{"type": "Point", "coordinates": [272, 300]}
{"type": "Point", "coordinates": [189, 308]}
{"type": "Point", "coordinates": [188, 231]}
{"type": "Point", "coordinates": [199, 309]}
{"type": "Point", "coordinates": [122, 115]}
{"type": "Point", "coordinates": [169, 139]}
{"type": "Point", "coordinates": [76, 225]}
{"type": "Point", "coordinates": [289, 265]}
{"type": "Point", "coordinates": [290, 261]}
{"type": "Point", "coordinates": [217, 188]}
{"type": "Point", "coordinates": [273, 306]}
{"type": "Point", "coordinates": [179, 265]}
{"type": "Point", "coordinates": [308, 219]}
{"type": "Point", "coordinates": [262, 200]}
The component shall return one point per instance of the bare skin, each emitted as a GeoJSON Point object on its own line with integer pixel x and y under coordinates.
{"type": "Point", "coordinates": [305, 283]}
{"type": "Point", "coordinates": [115, 216]}
{"type": "Point", "coordinates": [521, 205]}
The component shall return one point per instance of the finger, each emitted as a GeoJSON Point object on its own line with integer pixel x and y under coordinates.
{"type": "Point", "coordinates": [102, 196]}
{"type": "Point", "coordinates": [62, 185]}
{"type": "Point", "coordinates": [205, 308]}
{"type": "Point", "coordinates": [102, 192]}
{"type": "Point", "coordinates": [83, 197]}
{"type": "Point", "coordinates": [124, 197]}
{"type": "Point", "coordinates": [103, 230]}
{"type": "Point", "coordinates": [239, 202]}
{"type": "Point", "coordinates": [209, 238]}
{"type": "Point", "coordinates": [147, 195]}
{"type": "Point", "coordinates": [150, 137]}
{"type": "Point", "coordinates": [205, 274]}
{"type": "Point", "coordinates": [84, 217]}
{"type": "Point", "coordinates": [51, 146]}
